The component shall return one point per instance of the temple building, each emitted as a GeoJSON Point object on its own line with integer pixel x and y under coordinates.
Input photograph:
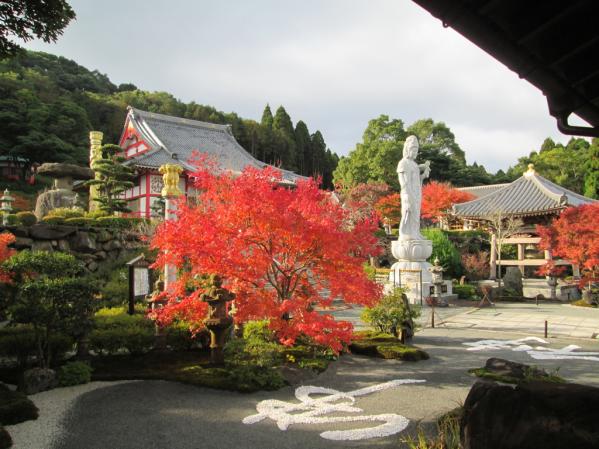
{"type": "Point", "coordinates": [533, 200]}
{"type": "Point", "coordinates": [150, 140]}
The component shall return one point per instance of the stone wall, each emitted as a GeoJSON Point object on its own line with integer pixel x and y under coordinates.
{"type": "Point", "coordinates": [92, 246]}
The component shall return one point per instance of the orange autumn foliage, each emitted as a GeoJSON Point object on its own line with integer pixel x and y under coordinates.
{"type": "Point", "coordinates": [5, 252]}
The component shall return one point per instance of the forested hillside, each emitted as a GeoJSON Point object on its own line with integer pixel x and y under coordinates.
{"type": "Point", "coordinates": [48, 105]}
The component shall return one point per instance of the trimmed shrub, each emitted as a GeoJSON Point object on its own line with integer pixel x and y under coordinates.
{"type": "Point", "coordinates": [53, 220]}
{"type": "Point", "coordinates": [118, 222]}
{"type": "Point", "coordinates": [81, 221]}
{"type": "Point", "coordinates": [26, 218]}
{"type": "Point", "coordinates": [15, 407]}
{"type": "Point", "coordinates": [258, 331]}
{"type": "Point", "coordinates": [116, 330]}
{"type": "Point", "coordinates": [65, 212]}
{"type": "Point", "coordinates": [74, 373]}
{"type": "Point", "coordinates": [390, 313]}
{"type": "Point", "coordinates": [465, 291]}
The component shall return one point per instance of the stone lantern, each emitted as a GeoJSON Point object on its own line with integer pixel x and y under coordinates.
{"type": "Point", "coordinates": [6, 206]}
{"type": "Point", "coordinates": [436, 272]}
{"type": "Point", "coordinates": [218, 320]}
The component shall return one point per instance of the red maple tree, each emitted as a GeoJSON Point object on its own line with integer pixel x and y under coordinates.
{"type": "Point", "coordinates": [574, 236]}
{"type": "Point", "coordinates": [438, 197]}
{"type": "Point", "coordinates": [389, 206]}
{"type": "Point", "coordinates": [283, 252]}
{"type": "Point", "coordinates": [5, 252]}
{"type": "Point", "coordinates": [361, 199]}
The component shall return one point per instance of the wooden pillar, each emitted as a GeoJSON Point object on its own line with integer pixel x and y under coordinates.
{"type": "Point", "coordinates": [521, 257]}
{"type": "Point", "coordinates": [493, 261]}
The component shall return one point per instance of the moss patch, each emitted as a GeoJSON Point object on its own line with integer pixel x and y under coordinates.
{"type": "Point", "coordinates": [487, 374]}
{"type": "Point", "coordinates": [15, 407]}
{"type": "Point", "coordinates": [385, 346]}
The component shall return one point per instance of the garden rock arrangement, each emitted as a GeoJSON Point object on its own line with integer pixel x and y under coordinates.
{"type": "Point", "coordinates": [91, 245]}
{"type": "Point", "coordinates": [534, 414]}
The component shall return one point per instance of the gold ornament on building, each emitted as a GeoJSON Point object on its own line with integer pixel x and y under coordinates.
{"type": "Point", "coordinates": [170, 178]}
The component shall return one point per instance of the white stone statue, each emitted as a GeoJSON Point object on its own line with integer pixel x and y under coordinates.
{"type": "Point", "coordinates": [410, 179]}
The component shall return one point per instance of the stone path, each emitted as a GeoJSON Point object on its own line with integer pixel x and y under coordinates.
{"type": "Point", "coordinates": [562, 320]}
{"type": "Point", "coordinates": [154, 414]}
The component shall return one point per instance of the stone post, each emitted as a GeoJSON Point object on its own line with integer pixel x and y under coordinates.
{"type": "Point", "coordinates": [170, 191]}
{"type": "Point", "coordinates": [95, 153]}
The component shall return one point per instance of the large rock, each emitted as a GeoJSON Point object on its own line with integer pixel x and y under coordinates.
{"type": "Point", "coordinates": [540, 415]}
{"type": "Point", "coordinates": [112, 245]}
{"type": "Point", "coordinates": [514, 370]}
{"type": "Point", "coordinates": [50, 232]}
{"type": "Point", "coordinates": [53, 199]}
{"type": "Point", "coordinates": [42, 245]}
{"type": "Point", "coordinates": [38, 379]}
{"type": "Point", "coordinates": [23, 243]}
{"type": "Point", "coordinates": [513, 280]}
{"type": "Point", "coordinates": [82, 242]}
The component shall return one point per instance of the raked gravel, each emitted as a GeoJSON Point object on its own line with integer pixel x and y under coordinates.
{"type": "Point", "coordinates": [53, 405]}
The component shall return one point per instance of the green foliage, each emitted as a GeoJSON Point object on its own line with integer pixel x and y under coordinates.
{"type": "Point", "coordinates": [74, 373]}
{"type": "Point", "coordinates": [53, 220]}
{"type": "Point", "coordinates": [390, 313]}
{"type": "Point", "coordinates": [178, 336]}
{"type": "Point", "coordinates": [112, 178]}
{"type": "Point", "coordinates": [27, 20]}
{"type": "Point", "coordinates": [66, 212]}
{"type": "Point", "coordinates": [573, 166]}
{"type": "Point", "coordinates": [11, 219]}
{"type": "Point", "coordinates": [385, 346]}
{"type": "Point", "coordinates": [15, 407]}
{"type": "Point", "coordinates": [258, 331]}
{"type": "Point", "coordinates": [114, 222]}
{"type": "Point", "coordinates": [19, 342]}
{"type": "Point", "coordinates": [115, 292]}
{"type": "Point", "coordinates": [115, 329]}
{"type": "Point", "coordinates": [448, 433]}
{"type": "Point", "coordinates": [27, 264]}
{"type": "Point", "coordinates": [50, 295]}
{"type": "Point", "coordinates": [445, 251]}
{"type": "Point", "coordinates": [376, 157]}
{"type": "Point", "coordinates": [26, 218]}
{"type": "Point", "coordinates": [81, 221]}
{"type": "Point", "coordinates": [465, 291]}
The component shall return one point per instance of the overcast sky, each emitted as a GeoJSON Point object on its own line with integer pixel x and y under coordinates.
{"type": "Point", "coordinates": [333, 63]}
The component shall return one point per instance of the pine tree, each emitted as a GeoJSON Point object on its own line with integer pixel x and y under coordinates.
{"type": "Point", "coordinates": [267, 117]}
{"type": "Point", "coordinates": [302, 148]}
{"type": "Point", "coordinates": [112, 179]}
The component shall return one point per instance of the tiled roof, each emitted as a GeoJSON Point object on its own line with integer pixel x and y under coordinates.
{"type": "Point", "coordinates": [480, 191]}
{"type": "Point", "coordinates": [173, 140]}
{"type": "Point", "coordinates": [530, 194]}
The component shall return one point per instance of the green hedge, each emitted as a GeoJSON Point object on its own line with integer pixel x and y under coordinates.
{"type": "Point", "coordinates": [115, 329]}
{"type": "Point", "coordinates": [53, 220]}
{"type": "Point", "coordinates": [445, 251]}
{"type": "Point", "coordinates": [81, 221]}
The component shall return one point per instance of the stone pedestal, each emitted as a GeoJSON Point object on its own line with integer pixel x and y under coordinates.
{"type": "Point", "coordinates": [411, 258]}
